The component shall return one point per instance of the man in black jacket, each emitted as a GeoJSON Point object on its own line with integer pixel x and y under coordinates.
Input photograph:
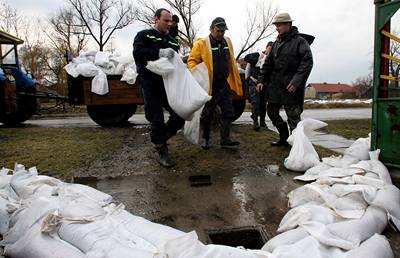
{"type": "Point", "coordinates": [258, 103]}
{"type": "Point", "coordinates": [149, 45]}
{"type": "Point", "coordinates": [284, 74]}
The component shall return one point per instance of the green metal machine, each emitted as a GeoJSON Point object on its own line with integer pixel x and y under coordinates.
{"type": "Point", "coordinates": [386, 94]}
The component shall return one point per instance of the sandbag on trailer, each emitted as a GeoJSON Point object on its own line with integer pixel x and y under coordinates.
{"type": "Point", "coordinates": [375, 247]}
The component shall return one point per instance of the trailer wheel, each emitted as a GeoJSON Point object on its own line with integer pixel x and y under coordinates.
{"type": "Point", "coordinates": [111, 115]}
{"type": "Point", "coordinates": [238, 108]}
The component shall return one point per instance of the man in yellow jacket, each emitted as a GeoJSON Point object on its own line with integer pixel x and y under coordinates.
{"type": "Point", "coordinates": [216, 51]}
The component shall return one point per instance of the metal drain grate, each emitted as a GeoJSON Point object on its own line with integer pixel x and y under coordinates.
{"type": "Point", "coordinates": [253, 237]}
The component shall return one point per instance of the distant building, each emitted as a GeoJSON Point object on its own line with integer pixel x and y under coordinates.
{"type": "Point", "coordinates": [330, 91]}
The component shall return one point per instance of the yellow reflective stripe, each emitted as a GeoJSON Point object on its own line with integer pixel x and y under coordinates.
{"type": "Point", "coordinates": [226, 47]}
{"type": "Point", "coordinates": [154, 37]}
{"type": "Point", "coordinates": [214, 48]}
{"type": "Point", "coordinates": [173, 43]}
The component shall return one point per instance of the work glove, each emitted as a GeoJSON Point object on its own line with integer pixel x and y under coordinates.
{"type": "Point", "coordinates": [166, 52]}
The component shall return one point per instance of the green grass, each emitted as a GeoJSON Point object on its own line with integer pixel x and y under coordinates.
{"type": "Point", "coordinates": [57, 151]}
{"type": "Point", "coordinates": [351, 129]}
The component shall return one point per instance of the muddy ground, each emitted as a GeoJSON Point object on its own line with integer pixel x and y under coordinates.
{"type": "Point", "coordinates": [243, 192]}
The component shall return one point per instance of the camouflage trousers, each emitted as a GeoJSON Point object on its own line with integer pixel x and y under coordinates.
{"type": "Point", "coordinates": [293, 112]}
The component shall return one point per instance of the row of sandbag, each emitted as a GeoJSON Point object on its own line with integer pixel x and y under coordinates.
{"type": "Point", "coordinates": [99, 64]}
{"type": "Point", "coordinates": [42, 217]}
{"type": "Point", "coordinates": [342, 212]}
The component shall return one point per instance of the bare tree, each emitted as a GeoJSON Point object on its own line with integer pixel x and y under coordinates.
{"type": "Point", "coordinates": [103, 17]}
{"type": "Point", "coordinates": [393, 65]}
{"type": "Point", "coordinates": [66, 34]}
{"type": "Point", "coordinates": [10, 20]}
{"type": "Point", "coordinates": [185, 9]}
{"type": "Point", "coordinates": [364, 84]}
{"type": "Point", "coordinates": [258, 26]}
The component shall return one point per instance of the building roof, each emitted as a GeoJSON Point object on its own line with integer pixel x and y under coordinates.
{"type": "Point", "coordinates": [6, 38]}
{"type": "Point", "coordinates": [332, 87]}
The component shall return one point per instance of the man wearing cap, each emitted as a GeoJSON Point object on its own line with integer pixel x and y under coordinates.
{"type": "Point", "coordinates": [216, 51]}
{"type": "Point", "coordinates": [150, 45]}
{"type": "Point", "coordinates": [284, 74]}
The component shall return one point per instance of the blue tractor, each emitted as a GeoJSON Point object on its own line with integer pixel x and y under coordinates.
{"type": "Point", "coordinates": [17, 89]}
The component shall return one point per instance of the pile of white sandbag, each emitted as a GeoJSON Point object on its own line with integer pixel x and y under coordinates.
{"type": "Point", "coordinates": [99, 64]}
{"type": "Point", "coordinates": [342, 212]}
{"type": "Point", "coordinates": [42, 217]}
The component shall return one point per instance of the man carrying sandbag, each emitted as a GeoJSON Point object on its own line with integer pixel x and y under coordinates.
{"type": "Point", "coordinates": [150, 45]}
{"type": "Point", "coordinates": [284, 74]}
{"type": "Point", "coordinates": [216, 51]}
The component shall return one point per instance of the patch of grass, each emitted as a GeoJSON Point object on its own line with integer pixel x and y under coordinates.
{"type": "Point", "coordinates": [351, 129]}
{"type": "Point", "coordinates": [57, 151]}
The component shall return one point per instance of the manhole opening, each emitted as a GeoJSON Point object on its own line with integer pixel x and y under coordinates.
{"type": "Point", "coordinates": [248, 237]}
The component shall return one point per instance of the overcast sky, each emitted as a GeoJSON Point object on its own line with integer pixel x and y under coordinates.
{"type": "Point", "coordinates": [343, 30]}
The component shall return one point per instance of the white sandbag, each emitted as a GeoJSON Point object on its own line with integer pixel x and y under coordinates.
{"type": "Point", "coordinates": [315, 193]}
{"type": "Point", "coordinates": [365, 180]}
{"type": "Point", "coordinates": [184, 94]}
{"type": "Point", "coordinates": [76, 191]}
{"type": "Point", "coordinates": [103, 236]}
{"type": "Point", "coordinates": [320, 232]}
{"type": "Point", "coordinates": [80, 209]}
{"type": "Point", "coordinates": [341, 172]}
{"type": "Point", "coordinates": [326, 180]}
{"type": "Point", "coordinates": [359, 149]}
{"type": "Point", "coordinates": [356, 231]}
{"type": "Point", "coordinates": [303, 156]}
{"type": "Point", "coordinates": [153, 233]}
{"type": "Point", "coordinates": [375, 247]}
{"type": "Point", "coordinates": [188, 246]}
{"type": "Point", "coordinates": [339, 161]}
{"type": "Point", "coordinates": [286, 238]}
{"type": "Point", "coordinates": [367, 192]}
{"type": "Point", "coordinates": [130, 74]}
{"type": "Point", "coordinates": [102, 59]}
{"type": "Point", "coordinates": [388, 199]}
{"type": "Point", "coordinates": [313, 173]}
{"type": "Point", "coordinates": [87, 69]}
{"type": "Point", "coordinates": [161, 66]}
{"type": "Point", "coordinates": [34, 244]}
{"type": "Point", "coordinates": [350, 206]}
{"type": "Point", "coordinates": [71, 70]}
{"type": "Point", "coordinates": [80, 60]}
{"type": "Point", "coordinates": [307, 248]}
{"type": "Point", "coordinates": [374, 165]}
{"type": "Point", "coordinates": [109, 70]}
{"type": "Point", "coordinates": [192, 128]}
{"type": "Point", "coordinates": [304, 213]}
{"type": "Point", "coordinates": [4, 216]}
{"type": "Point", "coordinates": [27, 183]}
{"type": "Point", "coordinates": [100, 83]}
{"type": "Point", "coordinates": [28, 216]}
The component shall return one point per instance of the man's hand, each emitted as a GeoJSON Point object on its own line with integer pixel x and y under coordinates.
{"type": "Point", "coordinates": [259, 87]}
{"type": "Point", "coordinates": [291, 88]}
{"type": "Point", "coordinates": [166, 52]}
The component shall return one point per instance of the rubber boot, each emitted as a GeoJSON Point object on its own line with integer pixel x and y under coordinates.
{"type": "Point", "coordinates": [283, 136]}
{"type": "Point", "coordinates": [226, 140]}
{"type": "Point", "coordinates": [205, 145]}
{"type": "Point", "coordinates": [256, 126]}
{"type": "Point", "coordinates": [262, 121]}
{"type": "Point", "coordinates": [164, 158]}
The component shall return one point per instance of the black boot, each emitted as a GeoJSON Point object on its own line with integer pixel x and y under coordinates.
{"type": "Point", "coordinates": [164, 158]}
{"type": "Point", "coordinates": [262, 120]}
{"type": "Point", "coordinates": [256, 126]}
{"type": "Point", "coordinates": [205, 145]}
{"type": "Point", "coordinates": [283, 136]}
{"type": "Point", "coordinates": [226, 140]}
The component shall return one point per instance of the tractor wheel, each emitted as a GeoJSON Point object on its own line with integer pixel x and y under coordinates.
{"type": "Point", "coordinates": [26, 107]}
{"type": "Point", "coordinates": [238, 108]}
{"type": "Point", "coordinates": [111, 115]}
